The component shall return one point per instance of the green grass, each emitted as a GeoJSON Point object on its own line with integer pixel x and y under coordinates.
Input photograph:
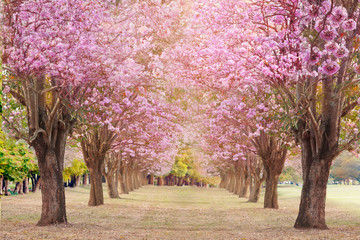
{"type": "Point", "coordinates": [181, 213]}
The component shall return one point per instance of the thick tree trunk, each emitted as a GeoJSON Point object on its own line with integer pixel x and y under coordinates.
{"type": "Point", "coordinates": [1, 184]}
{"type": "Point", "coordinates": [151, 179]}
{"type": "Point", "coordinates": [26, 185]}
{"type": "Point", "coordinates": [181, 181]}
{"type": "Point", "coordinates": [255, 191]}
{"type": "Point", "coordinates": [123, 179]}
{"type": "Point", "coordinates": [77, 181]}
{"type": "Point", "coordinates": [136, 178]}
{"type": "Point", "coordinates": [244, 191]}
{"type": "Point", "coordinates": [129, 182]}
{"type": "Point", "coordinates": [21, 187]}
{"type": "Point", "coordinates": [222, 181]}
{"type": "Point", "coordinates": [226, 181]}
{"type": "Point", "coordinates": [52, 187]}
{"type": "Point", "coordinates": [273, 155]}
{"type": "Point", "coordinates": [6, 190]}
{"type": "Point", "coordinates": [96, 190]}
{"type": "Point", "coordinates": [17, 188]}
{"type": "Point", "coordinates": [111, 185]}
{"type": "Point", "coordinates": [86, 179]}
{"type": "Point", "coordinates": [313, 194]}
{"type": "Point", "coordinates": [37, 185]}
{"type": "Point", "coordinates": [32, 183]}
{"type": "Point", "coordinates": [238, 182]}
{"type": "Point", "coordinates": [232, 183]}
{"type": "Point", "coordinates": [160, 181]}
{"type": "Point", "coordinates": [271, 196]}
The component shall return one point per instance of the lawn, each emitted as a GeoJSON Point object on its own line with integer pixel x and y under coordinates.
{"type": "Point", "coordinates": [181, 213]}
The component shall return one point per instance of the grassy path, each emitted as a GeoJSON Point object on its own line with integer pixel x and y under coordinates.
{"type": "Point", "coordinates": [180, 213]}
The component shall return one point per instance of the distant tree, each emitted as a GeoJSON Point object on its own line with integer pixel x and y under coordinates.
{"type": "Point", "coordinates": [75, 171]}
{"type": "Point", "coordinates": [345, 167]}
{"type": "Point", "coordinates": [289, 174]}
{"type": "Point", "coordinates": [17, 161]}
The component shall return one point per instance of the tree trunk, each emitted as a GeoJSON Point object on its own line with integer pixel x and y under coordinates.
{"type": "Point", "coordinates": [52, 187]}
{"type": "Point", "coordinates": [32, 183]}
{"type": "Point", "coordinates": [244, 191]}
{"type": "Point", "coordinates": [273, 155]}
{"type": "Point", "coordinates": [6, 190]}
{"type": "Point", "coordinates": [151, 179]}
{"type": "Point", "coordinates": [77, 181]}
{"type": "Point", "coordinates": [37, 185]}
{"type": "Point", "coordinates": [16, 188]}
{"type": "Point", "coordinates": [1, 184]}
{"type": "Point", "coordinates": [86, 179]}
{"type": "Point", "coordinates": [238, 182]}
{"type": "Point", "coordinates": [136, 177]}
{"type": "Point", "coordinates": [21, 187]}
{"type": "Point", "coordinates": [181, 181]}
{"type": "Point", "coordinates": [255, 191]}
{"type": "Point", "coordinates": [129, 182]}
{"type": "Point", "coordinates": [271, 196]}
{"type": "Point", "coordinates": [96, 190]}
{"type": "Point", "coordinates": [232, 183]}
{"type": "Point", "coordinates": [313, 195]}
{"type": "Point", "coordinates": [26, 185]}
{"type": "Point", "coordinates": [160, 181]}
{"type": "Point", "coordinates": [226, 181]}
{"type": "Point", "coordinates": [111, 185]}
{"type": "Point", "coordinates": [123, 179]}
{"type": "Point", "coordinates": [120, 184]}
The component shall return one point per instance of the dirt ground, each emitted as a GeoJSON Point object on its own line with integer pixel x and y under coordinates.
{"type": "Point", "coordinates": [179, 213]}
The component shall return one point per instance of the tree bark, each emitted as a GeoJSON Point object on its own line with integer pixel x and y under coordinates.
{"type": "Point", "coordinates": [273, 156]}
{"type": "Point", "coordinates": [255, 191]}
{"type": "Point", "coordinates": [6, 190]}
{"type": "Point", "coordinates": [244, 191]}
{"type": "Point", "coordinates": [95, 144]}
{"type": "Point", "coordinates": [96, 190]}
{"type": "Point", "coordinates": [122, 178]}
{"type": "Point", "coordinates": [86, 179]}
{"type": "Point", "coordinates": [37, 185]}
{"type": "Point", "coordinates": [160, 181]}
{"type": "Point", "coordinates": [238, 182]}
{"type": "Point", "coordinates": [313, 195]}
{"type": "Point", "coordinates": [17, 188]}
{"type": "Point", "coordinates": [129, 182]}
{"type": "Point", "coordinates": [111, 185]}
{"type": "Point", "coordinates": [21, 187]}
{"type": "Point", "coordinates": [1, 184]}
{"type": "Point", "coordinates": [52, 187]}
{"type": "Point", "coordinates": [136, 178]}
{"type": "Point", "coordinates": [26, 185]}
{"type": "Point", "coordinates": [77, 181]}
{"type": "Point", "coordinates": [181, 181]}
{"type": "Point", "coordinates": [151, 179]}
{"type": "Point", "coordinates": [271, 196]}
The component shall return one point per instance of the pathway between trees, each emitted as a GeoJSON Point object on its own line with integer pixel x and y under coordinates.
{"type": "Point", "coordinates": [170, 213]}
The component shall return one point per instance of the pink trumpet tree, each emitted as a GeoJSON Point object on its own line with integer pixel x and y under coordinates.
{"type": "Point", "coordinates": [50, 56]}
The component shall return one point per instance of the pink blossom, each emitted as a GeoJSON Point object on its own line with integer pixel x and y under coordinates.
{"type": "Point", "coordinates": [331, 46]}
{"type": "Point", "coordinates": [329, 68]}
{"type": "Point", "coordinates": [313, 11]}
{"type": "Point", "coordinates": [319, 25]}
{"type": "Point", "coordinates": [314, 58]}
{"type": "Point", "coordinates": [349, 25]}
{"type": "Point", "coordinates": [341, 52]}
{"type": "Point", "coordinates": [328, 34]}
{"type": "Point", "coordinates": [339, 14]}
